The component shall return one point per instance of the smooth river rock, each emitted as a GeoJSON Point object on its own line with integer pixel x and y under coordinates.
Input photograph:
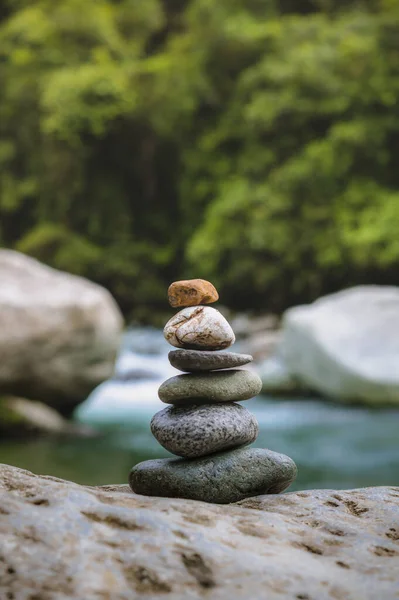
{"type": "Point", "coordinates": [193, 431]}
{"type": "Point", "coordinates": [63, 541]}
{"type": "Point", "coordinates": [220, 478]}
{"type": "Point", "coordinates": [59, 334]}
{"type": "Point", "coordinates": [192, 361]}
{"type": "Point", "coordinates": [346, 346]}
{"type": "Point", "coordinates": [217, 386]}
{"type": "Point", "coordinates": [192, 292]}
{"type": "Point", "coordinates": [199, 328]}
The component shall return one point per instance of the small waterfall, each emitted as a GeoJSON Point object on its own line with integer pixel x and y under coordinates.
{"type": "Point", "coordinates": [132, 394]}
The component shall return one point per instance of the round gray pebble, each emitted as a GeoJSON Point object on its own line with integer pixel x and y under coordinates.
{"type": "Point", "coordinates": [195, 360]}
{"type": "Point", "coordinates": [218, 386]}
{"type": "Point", "coordinates": [193, 431]}
{"type": "Point", "coordinates": [220, 478]}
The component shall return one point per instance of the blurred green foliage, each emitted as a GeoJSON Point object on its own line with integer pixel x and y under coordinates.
{"type": "Point", "coordinates": [253, 142]}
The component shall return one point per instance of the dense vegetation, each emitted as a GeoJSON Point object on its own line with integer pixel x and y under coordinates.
{"type": "Point", "coordinates": [253, 142]}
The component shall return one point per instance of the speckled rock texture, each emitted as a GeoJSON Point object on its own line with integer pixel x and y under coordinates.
{"type": "Point", "coordinates": [193, 431]}
{"type": "Point", "coordinates": [220, 478]}
{"type": "Point", "coordinates": [192, 361]}
{"type": "Point", "coordinates": [192, 292]}
{"type": "Point", "coordinates": [199, 328]}
{"type": "Point", "coordinates": [63, 541]}
{"type": "Point", "coordinates": [218, 386]}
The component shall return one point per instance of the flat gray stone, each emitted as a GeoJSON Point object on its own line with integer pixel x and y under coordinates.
{"type": "Point", "coordinates": [195, 360]}
{"type": "Point", "coordinates": [220, 478]}
{"type": "Point", "coordinates": [198, 430]}
{"type": "Point", "coordinates": [218, 386]}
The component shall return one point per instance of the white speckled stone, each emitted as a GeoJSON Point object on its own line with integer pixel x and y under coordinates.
{"type": "Point", "coordinates": [199, 328]}
{"type": "Point", "coordinates": [193, 431]}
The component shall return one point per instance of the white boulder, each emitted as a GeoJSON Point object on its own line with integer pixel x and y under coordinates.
{"type": "Point", "coordinates": [59, 333]}
{"type": "Point", "coordinates": [346, 345]}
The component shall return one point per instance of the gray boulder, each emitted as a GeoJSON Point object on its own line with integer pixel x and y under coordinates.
{"type": "Point", "coordinates": [344, 346]}
{"type": "Point", "coordinates": [60, 540]}
{"type": "Point", "coordinates": [59, 333]}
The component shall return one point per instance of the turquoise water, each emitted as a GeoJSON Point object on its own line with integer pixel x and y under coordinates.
{"type": "Point", "coordinates": [334, 446]}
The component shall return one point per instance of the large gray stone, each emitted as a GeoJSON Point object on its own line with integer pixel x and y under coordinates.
{"type": "Point", "coordinates": [193, 431]}
{"type": "Point", "coordinates": [199, 328]}
{"type": "Point", "coordinates": [346, 345]}
{"type": "Point", "coordinates": [63, 541]}
{"type": "Point", "coordinates": [218, 386]}
{"type": "Point", "coordinates": [220, 478]}
{"type": "Point", "coordinates": [192, 361]}
{"type": "Point", "coordinates": [59, 334]}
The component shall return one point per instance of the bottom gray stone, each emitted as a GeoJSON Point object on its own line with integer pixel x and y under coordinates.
{"type": "Point", "coordinates": [219, 478]}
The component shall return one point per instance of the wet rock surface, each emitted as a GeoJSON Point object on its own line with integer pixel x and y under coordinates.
{"type": "Point", "coordinates": [59, 540]}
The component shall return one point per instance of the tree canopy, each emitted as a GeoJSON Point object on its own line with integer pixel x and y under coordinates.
{"type": "Point", "coordinates": [252, 142]}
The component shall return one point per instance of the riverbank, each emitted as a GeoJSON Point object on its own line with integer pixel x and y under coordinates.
{"type": "Point", "coordinates": [333, 445]}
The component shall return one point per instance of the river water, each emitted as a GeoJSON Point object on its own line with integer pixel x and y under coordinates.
{"type": "Point", "coordinates": [334, 446]}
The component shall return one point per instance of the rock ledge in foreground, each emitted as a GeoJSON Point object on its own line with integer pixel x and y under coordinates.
{"type": "Point", "coordinates": [62, 540]}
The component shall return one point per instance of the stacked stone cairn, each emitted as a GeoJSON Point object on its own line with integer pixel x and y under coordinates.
{"type": "Point", "coordinates": [203, 424]}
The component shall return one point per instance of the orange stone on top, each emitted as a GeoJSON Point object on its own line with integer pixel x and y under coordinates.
{"type": "Point", "coordinates": [191, 292]}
